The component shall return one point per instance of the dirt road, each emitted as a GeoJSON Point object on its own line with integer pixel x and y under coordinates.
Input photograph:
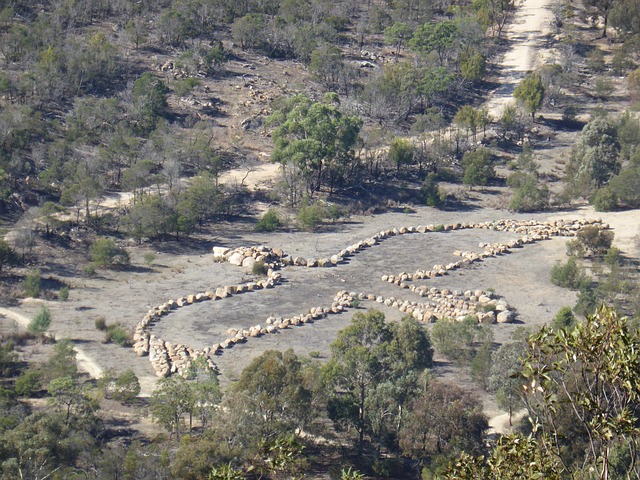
{"type": "Point", "coordinates": [527, 35]}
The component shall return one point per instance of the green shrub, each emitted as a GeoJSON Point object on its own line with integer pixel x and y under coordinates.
{"type": "Point", "coordinates": [568, 275]}
{"type": "Point", "coordinates": [28, 383]}
{"type": "Point", "coordinates": [259, 268]}
{"type": "Point", "coordinates": [149, 258]}
{"type": "Point", "coordinates": [564, 319]}
{"type": "Point", "coordinates": [593, 241]}
{"type": "Point", "coordinates": [529, 195]}
{"type": "Point", "coordinates": [184, 86]}
{"type": "Point", "coordinates": [439, 228]}
{"type": "Point", "coordinates": [587, 300]}
{"type": "Point", "coordinates": [32, 284]}
{"type": "Point", "coordinates": [101, 324]}
{"type": "Point", "coordinates": [40, 323]}
{"type": "Point", "coordinates": [605, 200]}
{"type": "Point", "coordinates": [334, 212]}
{"type": "Point", "coordinates": [269, 222]}
{"type": "Point", "coordinates": [430, 192]}
{"type": "Point", "coordinates": [124, 387]}
{"type": "Point", "coordinates": [314, 354]}
{"type": "Point", "coordinates": [489, 307]}
{"type": "Point", "coordinates": [90, 270]}
{"type": "Point", "coordinates": [118, 334]}
{"type": "Point", "coordinates": [309, 217]}
{"type": "Point", "coordinates": [613, 257]}
{"type": "Point", "coordinates": [105, 253]}
{"type": "Point", "coordinates": [64, 293]}
{"type": "Point", "coordinates": [569, 114]}
{"type": "Point", "coordinates": [351, 474]}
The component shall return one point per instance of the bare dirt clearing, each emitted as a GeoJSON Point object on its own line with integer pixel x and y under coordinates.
{"type": "Point", "coordinates": [521, 278]}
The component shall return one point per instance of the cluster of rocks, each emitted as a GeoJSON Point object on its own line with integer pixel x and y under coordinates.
{"type": "Point", "coordinates": [177, 72]}
{"type": "Point", "coordinates": [247, 257]}
{"type": "Point", "coordinates": [541, 230]}
{"type": "Point", "coordinates": [168, 359]}
{"type": "Point", "coordinates": [456, 304]}
{"type": "Point", "coordinates": [165, 358]}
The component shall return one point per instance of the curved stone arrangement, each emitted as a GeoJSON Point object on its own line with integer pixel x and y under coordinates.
{"type": "Point", "coordinates": [167, 359]}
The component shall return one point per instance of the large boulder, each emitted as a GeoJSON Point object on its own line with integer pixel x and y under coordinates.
{"type": "Point", "coordinates": [236, 258]}
{"type": "Point", "coordinates": [220, 252]}
{"type": "Point", "coordinates": [248, 262]}
{"type": "Point", "coordinates": [506, 317]}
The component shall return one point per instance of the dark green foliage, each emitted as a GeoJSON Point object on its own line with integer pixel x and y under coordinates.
{"type": "Point", "coordinates": [529, 195]}
{"type": "Point", "coordinates": [61, 363]}
{"type": "Point", "coordinates": [587, 300]}
{"type": "Point", "coordinates": [473, 66]}
{"type": "Point", "coordinates": [310, 216]}
{"type": "Point", "coordinates": [430, 192]}
{"type": "Point", "coordinates": [375, 369]}
{"type": "Point", "coordinates": [594, 158]}
{"type": "Point", "coordinates": [613, 257]}
{"type": "Point", "coordinates": [28, 383]}
{"type": "Point", "coordinates": [7, 254]}
{"type": "Point", "coordinates": [32, 284]}
{"type": "Point", "coordinates": [592, 241]}
{"type": "Point", "coordinates": [401, 152]}
{"type": "Point", "coordinates": [105, 253]}
{"type": "Point", "coordinates": [150, 103]}
{"type": "Point", "coordinates": [8, 359]}
{"type": "Point", "coordinates": [101, 324]}
{"type": "Point", "coordinates": [530, 92]}
{"type": "Point", "coordinates": [481, 365]}
{"type": "Point", "coordinates": [316, 138]}
{"type": "Point", "coordinates": [581, 389]}
{"type": "Point", "coordinates": [564, 319]}
{"type": "Point", "coordinates": [456, 340]}
{"type": "Point", "coordinates": [605, 199]}
{"type": "Point", "coordinates": [478, 167]}
{"type": "Point", "coordinates": [118, 334]}
{"type": "Point", "coordinates": [568, 275]}
{"type": "Point", "coordinates": [437, 38]}
{"type": "Point", "coordinates": [626, 186]}
{"type": "Point", "coordinates": [41, 322]}
{"type": "Point", "coordinates": [123, 387]}
{"type": "Point", "coordinates": [274, 396]}
{"type": "Point", "coordinates": [269, 222]}
{"type": "Point", "coordinates": [504, 380]}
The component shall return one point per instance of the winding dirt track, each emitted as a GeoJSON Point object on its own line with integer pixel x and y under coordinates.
{"type": "Point", "coordinates": [85, 363]}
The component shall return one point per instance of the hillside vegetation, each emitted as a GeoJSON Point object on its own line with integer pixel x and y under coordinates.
{"type": "Point", "coordinates": [135, 135]}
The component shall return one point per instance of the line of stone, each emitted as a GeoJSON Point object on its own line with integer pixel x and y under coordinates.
{"type": "Point", "coordinates": [167, 358]}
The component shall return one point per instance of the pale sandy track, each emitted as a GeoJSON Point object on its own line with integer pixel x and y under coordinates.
{"type": "Point", "coordinates": [526, 33]}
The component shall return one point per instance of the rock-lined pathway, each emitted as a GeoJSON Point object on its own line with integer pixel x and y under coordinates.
{"type": "Point", "coordinates": [167, 358]}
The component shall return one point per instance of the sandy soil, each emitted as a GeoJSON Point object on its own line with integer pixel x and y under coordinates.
{"type": "Point", "coordinates": [528, 35]}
